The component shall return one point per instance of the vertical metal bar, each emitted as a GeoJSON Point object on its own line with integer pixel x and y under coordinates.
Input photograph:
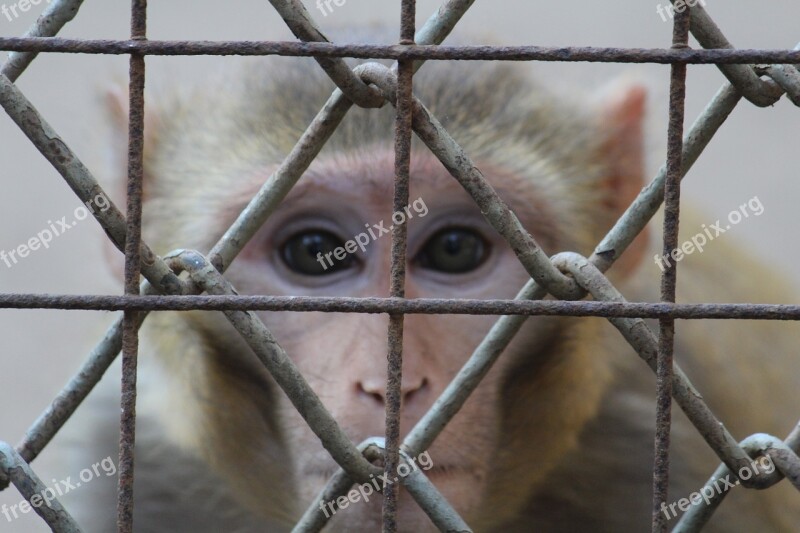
{"type": "Point", "coordinates": [402, 164]}
{"type": "Point", "coordinates": [130, 336]}
{"type": "Point", "coordinates": [664, 363]}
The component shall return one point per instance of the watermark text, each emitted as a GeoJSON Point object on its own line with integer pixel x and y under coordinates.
{"type": "Point", "coordinates": [58, 488]}
{"type": "Point", "coordinates": [709, 233]}
{"type": "Point", "coordinates": [679, 6]}
{"type": "Point", "coordinates": [54, 229]}
{"type": "Point", "coordinates": [362, 239]}
{"type": "Point", "coordinates": [764, 463]}
{"type": "Point", "coordinates": [365, 490]}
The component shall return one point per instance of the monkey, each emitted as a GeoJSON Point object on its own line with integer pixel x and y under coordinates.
{"type": "Point", "coordinates": [557, 437]}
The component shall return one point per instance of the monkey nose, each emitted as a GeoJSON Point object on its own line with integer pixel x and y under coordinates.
{"type": "Point", "coordinates": [374, 390]}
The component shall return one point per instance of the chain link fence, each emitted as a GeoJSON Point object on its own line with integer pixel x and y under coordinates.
{"type": "Point", "coordinates": [759, 76]}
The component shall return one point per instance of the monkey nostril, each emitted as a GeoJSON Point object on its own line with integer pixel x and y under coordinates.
{"type": "Point", "coordinates": [412, 391]}
{"type": "Point", "coordinates": [376, 392]}
{"type": "Point", "coordinates": [373, 391]}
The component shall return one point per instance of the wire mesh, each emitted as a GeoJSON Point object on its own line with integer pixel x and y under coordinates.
{"type": "Point", "coordinates": [567, 276]}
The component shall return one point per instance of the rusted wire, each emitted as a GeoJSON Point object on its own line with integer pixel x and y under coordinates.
{"type": "Point", "coordinates": [397, 279]}
{"type": "Point", "coordinates": [133, 263]}
{"type": "Point", "coordinates": [419, 52]}
{"type": "Point", "coordinates": [666, 336]}
{"type": "Point", "coordinates": [518, 306]}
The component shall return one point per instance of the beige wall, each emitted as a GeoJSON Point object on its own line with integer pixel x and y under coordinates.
{"type": "Point", "coordinates": [754, 154]}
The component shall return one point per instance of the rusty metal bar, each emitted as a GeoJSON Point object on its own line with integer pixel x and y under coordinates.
{"type": "Point", "coordinates": [417, 52]}
{"type": "Point", "coordinates": [666, 337]}
{"type": "Point", "coordinates": [18, 472]}
{"type": "Point", "coordinates": [133, 263]}
{"type": "Point", "coordinates": [397, 280]}
{"type": "Point", "coordinates": [55, 16]}
{"type": "Point", "coordinates": [518, 306]}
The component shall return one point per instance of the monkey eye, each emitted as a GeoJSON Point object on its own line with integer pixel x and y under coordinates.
{"type": "Point", "coordinates": [453, 251]}
{"type": "Point", "coordinates": [311, 253]}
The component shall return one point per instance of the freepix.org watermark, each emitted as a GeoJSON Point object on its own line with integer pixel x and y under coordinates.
{"type": "Point", "coordinates": [762, 464]}
{"type": "Point", "coordinates": [58, 488]}
{"type": "Point", "coordinates": [365, 490]}
{"type": "Point", "coordinates": [362, 239]}
{"type": "Point", "coordinates": [709, 233]}
{"type": "Point", "coordinates": [325, 5]}
{"type": "Point", "coordinates": [679, 6]}
{"type": "Point", "coordinates": [54, 229]}
{"type": "Point", "coordinates": [14, 10]}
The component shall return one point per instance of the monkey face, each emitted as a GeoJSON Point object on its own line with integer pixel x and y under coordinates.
{"type": "Point", "coordinates": [556, 167]}
{"type": "Point", "coordinates": [332, 237]}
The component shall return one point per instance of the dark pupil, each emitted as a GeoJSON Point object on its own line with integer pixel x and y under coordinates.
{"type": "Point", "coordinates": [453, 251]}
{"type": "Point", "coordinates": [311, 253]}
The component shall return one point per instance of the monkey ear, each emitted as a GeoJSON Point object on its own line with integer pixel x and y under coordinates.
{"type": "Point", "coordinates": [621, 122]}
{"type": "Point", "coordinates": [116, 105]}
{"type": "Point", "coordinates": [116, 100]}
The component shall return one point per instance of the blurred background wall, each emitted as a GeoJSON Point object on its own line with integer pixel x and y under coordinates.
{"type": "Point", "coordinates": [753, 154]}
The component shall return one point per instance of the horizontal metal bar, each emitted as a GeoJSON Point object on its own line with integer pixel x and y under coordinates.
{"type": "Point", "coordinates": [327, 304]}
{"type": "Point", "coordinates": [374, 51]}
